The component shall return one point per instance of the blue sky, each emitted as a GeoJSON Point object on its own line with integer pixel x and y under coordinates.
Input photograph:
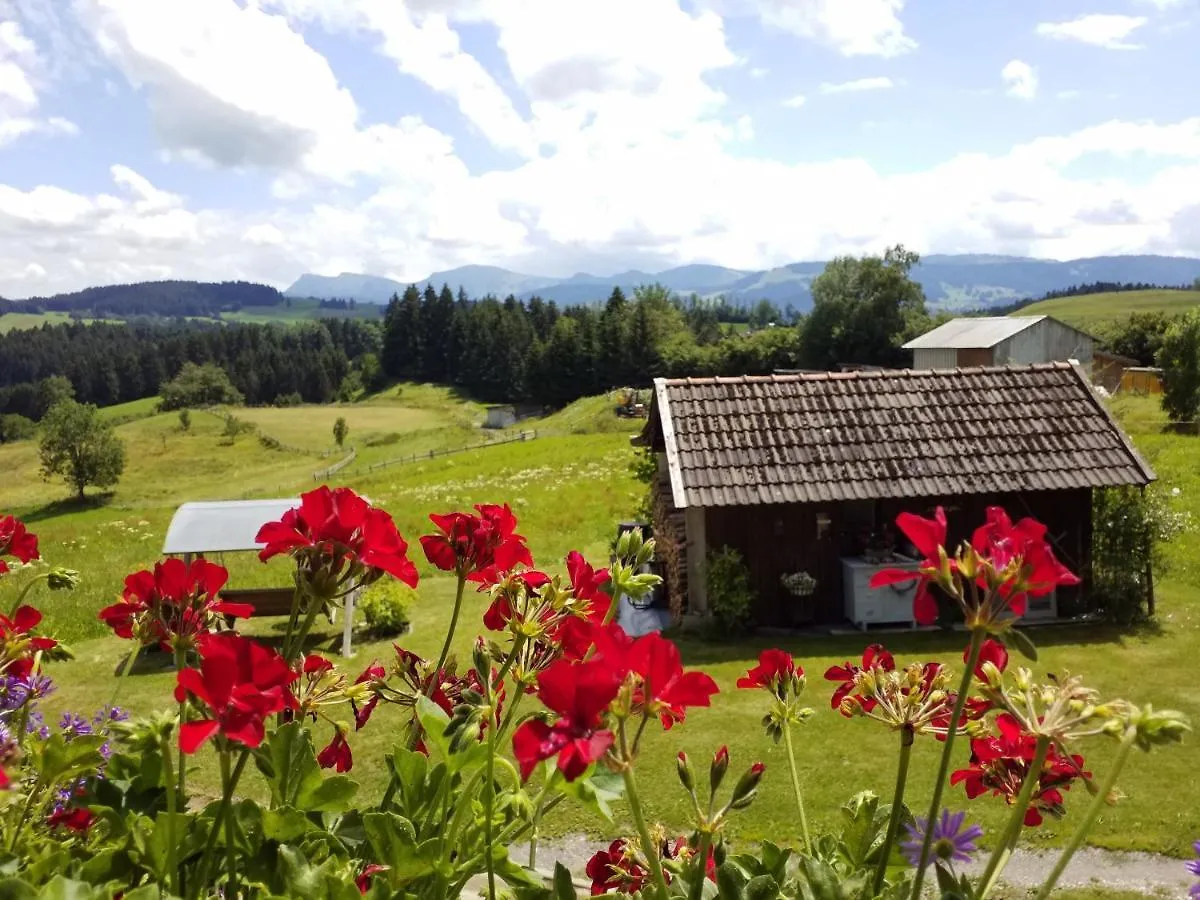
{"type": "Point", "coordinates": [261, 139]}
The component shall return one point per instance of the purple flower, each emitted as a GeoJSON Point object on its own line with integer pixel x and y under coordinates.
{"type": "Point", "coordinates": [951, 841]}
{"type": "Point", "coordinates": [73, 725]}
{"type": "Point", "coordinates": [14, 692]}
{"type": "Point", "coordinates": [1194, 868]}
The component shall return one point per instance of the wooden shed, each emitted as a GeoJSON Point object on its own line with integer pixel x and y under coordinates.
{"type": "Point", "coordinates": [807, 473]}
{"type": "Point", "coordinates": [1001, 340]}
{"type": "Point", "coordinates": [1141, 380]}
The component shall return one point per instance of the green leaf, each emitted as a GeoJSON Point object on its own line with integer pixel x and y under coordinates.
{"type": "Point", "coordinates": [595, 789]}
{"type": "Point", "coordinates": [393, 842]}
{"type": "Point", "coordinates": [730, 881]}
{"type": "Point", "coordinates": [564, 887]}
{"type": "Point", "coordinates": [60, 760]}
{"type": "Point", "coordinates": [865, 828]}
{"type": "Point", "coordinates": [1021, 641]}
{"type": "Point", "coordinates": [822, 881]}
{"type": "Point", "coordinates": [16, 889]}
{"type": "Point", "coordinates": [285, 824]}
{"type": "Point", "coordinates": [296, 778]}
{"type": "Point", "coordinates": [434, 722]}
{"type": "Point", "coordinates": [763, 887]}
{"type": "Point", "coordinates": [61, 888]}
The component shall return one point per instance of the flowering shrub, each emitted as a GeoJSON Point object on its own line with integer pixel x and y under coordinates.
{"type": "Point", "coordinates": [798, 584]}
{"type": "Point", "coordinates": [553, 704]}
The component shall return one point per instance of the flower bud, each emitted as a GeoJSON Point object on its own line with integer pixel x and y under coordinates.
{"type": "Point", "coordinates": [744, 790]}
{"type": "Point", "coordinates": [720, 765]}
{"type": "Point", "coordinates": [685, 772]}
{"type": "Point", "coordinates": [481, 661]}
{"type": "Point", "coordinates": [60, 579]}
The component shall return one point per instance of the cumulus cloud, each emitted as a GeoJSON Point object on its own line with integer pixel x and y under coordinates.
{"type": "Point", "coordinates": [859, 85]}
{"type": "Point", "coordinates": [852, 27]}
{"type": "Point", "coordinates": [1098, 29]}
{"type": "Point", "coordinates": [795, 101]}
{"type": "Point", "coordinates": [20, 68]}
{"type": "Point", "coordinates": [1021, 79]}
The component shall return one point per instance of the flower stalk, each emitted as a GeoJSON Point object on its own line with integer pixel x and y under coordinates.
{"type": "Point", "coordinates": [906, 743]}
{"type": "Point", "coordinates": [787, 740]}
{"type": "Point", "coordinates": [978, 635]}
{"type": "Point", "coordinates": [1016, 820]}
{"type": "Point", "coordinates": [224, 817]}
{"type": "Point", "coordinates": [649, 848]}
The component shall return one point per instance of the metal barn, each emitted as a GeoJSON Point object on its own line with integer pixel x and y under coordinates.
{"type": "Point", "coordinates": [999, 341]}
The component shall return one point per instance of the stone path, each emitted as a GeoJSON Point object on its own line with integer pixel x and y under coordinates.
{"type": "Point", "coordinates": [1159, 876]}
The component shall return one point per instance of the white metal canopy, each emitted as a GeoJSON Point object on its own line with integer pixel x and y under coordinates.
{"type": "Point", "coordinates": [222, 525]}
{"type": "Point", "coordinates": [229, 526]}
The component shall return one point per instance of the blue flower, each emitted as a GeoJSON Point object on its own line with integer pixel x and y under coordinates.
{"type": "Point", "coordinates": [1194, 868]}
{"type": "Point", "coordinates": [951, 841]}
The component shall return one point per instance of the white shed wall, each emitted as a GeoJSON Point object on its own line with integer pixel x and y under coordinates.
{"type": "Point", "coordinates": [1047, 341]}
{"type": "Point", "coordinates": [935, 358]}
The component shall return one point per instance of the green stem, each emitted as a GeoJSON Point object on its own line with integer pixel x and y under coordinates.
{"type": "Point", "coordinates": [125, 670]}
{"type": "Point", "coordinates": [538, 809]}
{"type": "Point", "coordinates": [230, 852]}
{"type": "Point", "coordinates": [1016, 820]}
{"type": "Point", "coordinates": [906, 742]}
{"type": "Point", "coordinates": [697, 889]}
{"type": "Point", "coordinates": [23, 722]}
{"type": "Point", "coordinates": [293, 618]}
{"type": "Point", "coordinates": [169, 781]}
{"type": "Point", "coordinates": [533, 838]}
{"type": "Point", "coordinates": [458, 599]}
{"type": "Point", "coordinates": [649, 848]}
{"type": "Point", "coordinates": [296, 645]}
{"type": "Point", "coordinates": [977, 637]}
{"type": "Point", "coordinates": [222, 811]}
{"type": "Point", "coordinates": [489, 798]}
{"type": "Point", "coordinates": [12, 844]}
{"type": "Point", "coordinates": [44, 576]}
{"type": "Point", "coordinates": [787, 738]}
{"type": "Point", "coordinates": [181, 769]}
{"type": "Point", "coordinates": [1089, 818]}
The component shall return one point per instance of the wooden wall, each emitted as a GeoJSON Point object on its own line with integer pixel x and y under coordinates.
{"type": "Point", "coordinates": [775, 540]}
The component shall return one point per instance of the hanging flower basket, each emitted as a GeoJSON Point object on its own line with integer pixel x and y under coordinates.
{"type": "Point", "coordinates": [798, 584]}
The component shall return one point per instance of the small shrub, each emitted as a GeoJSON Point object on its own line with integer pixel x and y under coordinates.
{"type": "Point", "coordinates": [1130, 529]}
{"type": "Point", "coordinates": [340, 430]}
{"type": "Point", "coordinates": [235, 427]}
{"type": "Point", "coordinates": [185, 420]}
{"type": "Point", "coordinates": [384, 605]}
{"type": "Point", "coordinates": [199, 385]}
{"type": "Point", "coordinates": [15, 427]}
{"type": "Point", "coordinates": [1179, 358]}
{"type": "Point", "coordinates": [270, 443]}
{"type": "Point", "coordinates": [730, 595]}
{"type": "Point", "coordinates": [292, 399]}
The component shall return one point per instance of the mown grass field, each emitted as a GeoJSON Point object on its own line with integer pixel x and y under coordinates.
{"type": "Point", "coordinates": [570, 487]}
{"type": "Point", "coordinates": [21, 321]}
{"type": "Point", "coordinates": [1095, 311]}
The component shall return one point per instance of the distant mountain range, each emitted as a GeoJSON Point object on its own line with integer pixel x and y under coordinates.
{"type": "Point", "coordinates": [953, 282]}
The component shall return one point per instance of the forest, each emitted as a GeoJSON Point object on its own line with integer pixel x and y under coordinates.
{"type": "Point", "coordinates": [167, 299]}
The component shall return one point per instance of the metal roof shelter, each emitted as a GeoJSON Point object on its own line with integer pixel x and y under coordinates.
{"type": "Point", "coordinates": [221, 526]}
{"type": "Point", "coordinates": [975, 333]}
{"type": "Point", "coordinates": [231, 526]}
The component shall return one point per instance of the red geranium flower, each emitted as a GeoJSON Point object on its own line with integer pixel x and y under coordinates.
{"type": "Point", "coordinates": [664, 689]}
{"type": "Point", "coordinates": [615, 869]}
{"type": "Point", "coordinates": [992, 651]}
{"type": "Point", "coordinates": [73, 818]}
{"type": "Point", "coordinates": [18, 644]}
{"type": "Point", "coordinates": [362, 714]}
{"type": "Point", "coordinates": [470, 545]}
{"type": "Point", "coordinates": [929, 537]}
{"type": "Point", "coordinates": [363, 881]}
{"type": "Point", "coordinates": [1000, 764]}
{"type": "Point", "coordinates": [241, 682]}
{"type": "Point", "coordinates": [588, 584]}
{"type": "Point", "coordinates": [774, 666]}
{"type": "Point", "coordinates": [1001, 542]}
{"type": "Point", "coordinates": [337, 754]}
{"type": "Point", "coordinates": [874, 656]}
{"type": "Point", "coordinates": [16, 541]}
{"type": "Point", "coordinates": [339, 531]}
{"type": "Point", "coordinates": [579, 693]}
{"type": "Point", "coordinates": [176, 602]}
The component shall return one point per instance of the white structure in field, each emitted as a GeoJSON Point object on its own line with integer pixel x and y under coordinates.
{"type": "Point", "coordinates": [1001, 341]}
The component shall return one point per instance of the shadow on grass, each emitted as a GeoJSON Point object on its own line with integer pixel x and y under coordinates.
{"type": "Point", "coordinates": [69, 505]}
{"type": "Point", "coordinates": [698, 650]}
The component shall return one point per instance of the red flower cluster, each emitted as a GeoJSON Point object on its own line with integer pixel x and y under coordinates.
{"type": "Point", "coordinates": [619, 870]}
{"type": "Point", "coordinates": [581, 692]}
{"type": "Point", "coordinates": [1015, 560]}
{"type": "Point", "coordinates": [241, 682]}
{"type": "Point", "coordinates": [337, 754]}
{"type": "Point", "coordinates": [174, 604]}
{"type": "Point", "coordinates": [875, 656]}
{"type": "Point", "coordinates": [477, 547]}
{"type": "Point", "coordinates": [588, 584]}
{"type": "Point", "coordinates": [992, 651]}
{"type": "Point", "coordinates": [73, 818]}
{"type": "Point", "coordinates": [999, 765]}
{"type": "Point", "coordinates": [337, 534]}
{"type": "Point", "coordinates": [16, 541]}
{"type": "Point", "coordinates": [18, 643]}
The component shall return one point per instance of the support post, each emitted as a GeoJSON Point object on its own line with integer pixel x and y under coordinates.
{"type": "Point", "coordinates": [348, 623]}
{"type": "Point", "coordinates": [697, 551]}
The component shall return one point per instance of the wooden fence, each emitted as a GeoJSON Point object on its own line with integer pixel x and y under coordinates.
{"type": "Point", "coordinates": [433, 454]}
{"type": "Point", "coordinates": [337, 466]}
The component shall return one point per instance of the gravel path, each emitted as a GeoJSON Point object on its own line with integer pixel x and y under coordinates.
{"type": "Point", "coordinates": [1160, 876]}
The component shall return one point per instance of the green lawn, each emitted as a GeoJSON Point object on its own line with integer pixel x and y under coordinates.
{"type": "Point", "coordinates": [569, 488]}
{"type": "Point", "coordinates": [20, 321]}
{"type": "Point", "coordinates": [1097, 310]}
{"type": "Point", "coordinates": [300, 311]}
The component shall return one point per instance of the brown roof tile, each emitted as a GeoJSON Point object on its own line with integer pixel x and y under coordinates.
{"type": "Point", "coordinates": [875, 434]}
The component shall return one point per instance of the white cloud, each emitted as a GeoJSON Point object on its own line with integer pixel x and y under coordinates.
{"type": "Point", "coordinates": [227, 85]}
{"type": "Point", "coordinates": [859, 85]}
{"type": "Point", "coordinates": [20, 68]}
{"type": "Point", "coordinates": [1098, 29]}
{"type": "Point", "coordinates": [795, 102]}
{"type": "Point", "coordinates": [1021, 79]}
{"type": "Point", "coordinates": [1164, 4]}
{"type": "Point", "coordinates": [852, 27]}
{"type": "Point", "coordinates": [758, 72]}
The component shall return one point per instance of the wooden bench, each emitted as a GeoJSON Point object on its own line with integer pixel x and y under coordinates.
{"type": "Point", "coordinates": [266, 601]}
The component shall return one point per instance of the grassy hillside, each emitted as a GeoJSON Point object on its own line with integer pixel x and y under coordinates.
{"type": "Point", "coordinates": [300, 311]}
{"type": "Point", "coordinates": [21, 320]}
{"type": "Point", "coordinates": [1094, 311]}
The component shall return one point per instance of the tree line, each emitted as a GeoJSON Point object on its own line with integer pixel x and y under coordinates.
{"type": "Point", "coordinates": [109, 363]}
{"type": "Point", "coordinates": [167, 299]}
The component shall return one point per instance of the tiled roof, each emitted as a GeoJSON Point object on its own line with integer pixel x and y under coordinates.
{"type": "Point", "coordinates": [869, 435]}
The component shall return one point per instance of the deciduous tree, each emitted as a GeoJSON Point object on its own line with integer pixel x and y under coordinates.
{"type": "Point", "coordinates": [80, 447]}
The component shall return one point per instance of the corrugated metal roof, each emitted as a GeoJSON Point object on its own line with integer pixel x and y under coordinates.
{"type": "Point", "coordinates": [222, 525]}
{"type": "Point", "coordinates": [871, 435]}
{"type": "Point", "coordinates": [979, 333]}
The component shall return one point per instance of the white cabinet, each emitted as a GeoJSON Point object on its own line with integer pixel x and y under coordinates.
{"type": "Point", "coordinates": [865, 605]}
